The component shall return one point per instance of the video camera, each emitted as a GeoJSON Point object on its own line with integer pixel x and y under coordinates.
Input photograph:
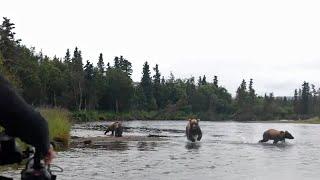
{"type": "Point", "coordinates": [34, 169]}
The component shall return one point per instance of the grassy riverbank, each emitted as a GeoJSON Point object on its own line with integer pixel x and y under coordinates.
{"type": "Point", "coordinates": [59, 121]}
{"type": "Point", "coordinates": [90, 116]}
{"type": "Point", "coordinates": [314, 120]}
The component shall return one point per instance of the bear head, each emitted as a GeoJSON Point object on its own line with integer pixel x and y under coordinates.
{"type": "Point", "coordinates": [194, 124]}
{"type": "Point", "coordinates": [287, 135]}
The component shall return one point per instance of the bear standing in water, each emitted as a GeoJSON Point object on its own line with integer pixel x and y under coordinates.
{"type": "Point", "coordinates": [276, 136]}
{"type": "Point", "coordinates": [115, 128]}
{"type": "Point", "coordinates": [193, 130]}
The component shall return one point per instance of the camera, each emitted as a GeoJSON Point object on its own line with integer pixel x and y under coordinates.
{"type": "Point", "coordinates": [34, 169]}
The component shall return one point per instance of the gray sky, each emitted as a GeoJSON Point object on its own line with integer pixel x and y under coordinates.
{"type": "Point", "coordinates": [277, 43]}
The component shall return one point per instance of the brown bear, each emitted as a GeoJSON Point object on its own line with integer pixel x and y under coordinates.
{"type": "Point", "coordinates": [276, 136]}
{"type": "Point", "coordinates": [115, 128]}
{"type": "Point", "coordinates": [193, 130]}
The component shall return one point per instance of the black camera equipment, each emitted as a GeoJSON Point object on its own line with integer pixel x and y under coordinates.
{"type": "Point", "coordinates": [9, 153]}
{"type": "Point", "coordinates": [35, 169]}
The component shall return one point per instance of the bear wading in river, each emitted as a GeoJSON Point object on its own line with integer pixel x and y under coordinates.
{"type": "Point", "coordinates": [276, 136]}
{"type": "Point", "coordinates": [115, 128]}
{"type": "Point", "coordinates": [193, 130]}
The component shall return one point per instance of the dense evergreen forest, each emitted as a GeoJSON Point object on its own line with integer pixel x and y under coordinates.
{"type": "Point", "coordinates": [71, 83]}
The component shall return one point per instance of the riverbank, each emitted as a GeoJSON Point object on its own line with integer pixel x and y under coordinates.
{"type": "Point", "coordinates": [94, 116]}
{"type": "Point", "coordinates": [314, 120]}
{"type": "Point", "coordinates": [59, 122]}
{"type": "Point", "coordinates": [91, 116]}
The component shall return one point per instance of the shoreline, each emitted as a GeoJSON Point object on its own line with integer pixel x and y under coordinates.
{"type": "Point", "coordinates": [314, 120]}
{"type": "Point", "coordinates": [101, 116]}
{"type": "Point", "coordinates": [306, 121]}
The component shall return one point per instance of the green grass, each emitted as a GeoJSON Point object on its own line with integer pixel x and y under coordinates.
{"type": "Point", "coordinates": [314, 120]}
{"type": "Point", "coordinates": [59, 124]}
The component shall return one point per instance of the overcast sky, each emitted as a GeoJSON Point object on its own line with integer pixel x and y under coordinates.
{"type": "Point", "coordinates": [277, 43]}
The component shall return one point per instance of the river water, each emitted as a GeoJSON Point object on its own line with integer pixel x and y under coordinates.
{"type": "Point", "coordinates": [228, 150]}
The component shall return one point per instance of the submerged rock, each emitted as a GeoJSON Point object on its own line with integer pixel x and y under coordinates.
{"type": "Point", "coordinates": [96, 142]}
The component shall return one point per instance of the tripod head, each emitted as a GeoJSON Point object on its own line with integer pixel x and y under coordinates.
{"type": "Point", "coordinates": [36, 170]}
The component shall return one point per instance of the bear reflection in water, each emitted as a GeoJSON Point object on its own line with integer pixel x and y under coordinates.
{"type": "Point", "coordinates": [193, 145]}
{"type": "Point", "coordinates": [147, 146]}
{"type": "Point", "coordinates": [113, 146]}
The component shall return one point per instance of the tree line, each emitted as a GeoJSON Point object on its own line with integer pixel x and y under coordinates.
{"type": "Point", "coordinates": [71, 83]}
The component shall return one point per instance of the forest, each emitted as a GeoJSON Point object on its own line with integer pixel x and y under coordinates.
{"type": "Point", "coordinates": [81, 86]}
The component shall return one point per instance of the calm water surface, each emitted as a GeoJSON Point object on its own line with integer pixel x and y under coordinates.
{"type": "Point", "coordinates": [228, 150]}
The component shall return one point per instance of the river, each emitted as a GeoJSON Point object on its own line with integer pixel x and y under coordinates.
{"type": "Point", "coordinates": [228, 150]}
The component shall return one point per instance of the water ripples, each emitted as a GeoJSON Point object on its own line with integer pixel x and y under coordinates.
{"type": "Point", "coordinates": [228, 150]}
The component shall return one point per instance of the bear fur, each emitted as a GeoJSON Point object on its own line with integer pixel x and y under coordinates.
{"type": "Point", "coordinates": [276, 136]}
{"type": "Point", "coordinates": [115, 128]}
{"type": "Point", "coordinates": [193, 130]}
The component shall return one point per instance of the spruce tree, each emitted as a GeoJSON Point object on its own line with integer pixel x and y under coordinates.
{"type": "Point", "coordinates": [199, 81]}
{"type": "Point", "coordinates": [204, 80]}
{"type": "Point", "coordinates": [90, 90]}
{"type": "Point", "coordinates": [67, 57]}
{"type": "Point", "coordinates": [296, 108]}
{"type": "Point", "coordinates": [243, 105]}
{"type": "Point", "coordinates": [8, 42]}
{"type": "Point", "coordinates": [190, 89]}
{"type": "Point", "coordinates": [146, 84]}
{"type": "Point", "coordinates": [215, 81]}
{"type": "Point", "coordinates": [125, 66]}
{"type": "Point", "coordinates": [157, 86]}
{"type": "Point", "coordinates": [241, 93]}
{"type": "Point", "coordinates": [100, 64]}
{"type": "Point", "coordinates": [77, 78]}
{"type": "Point", "coordinates": [108, 66]}
{"type": "Point", "coordinates": [163, 81]}
{"type": "Point", "coordinates": [116, 63]}
{"type": "Point", "coordinates": [252, 94]}
{"type": "Point", "coordinates": [305, 98]}
{"type": "Point", "coordinates": [88, 71]}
